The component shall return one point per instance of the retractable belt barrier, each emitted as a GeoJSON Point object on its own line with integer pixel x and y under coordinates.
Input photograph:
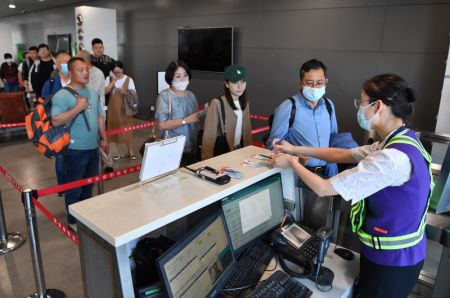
{"type": "Point", "coordinates": [82, 182]}
{"type": "Point", "coordinates": [9, 125]}
{"type": "Point", "coordinates": [11, 179]}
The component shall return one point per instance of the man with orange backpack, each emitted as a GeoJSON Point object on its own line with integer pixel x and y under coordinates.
{"type": "Point", "coordinates": [82, 154]}
{"type": "Point", "coordinates": [59, 79]}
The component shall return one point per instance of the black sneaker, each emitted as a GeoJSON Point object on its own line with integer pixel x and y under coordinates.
{"type": "Point", "coordinates": [60, 194]}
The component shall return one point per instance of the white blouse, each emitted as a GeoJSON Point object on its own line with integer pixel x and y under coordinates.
{"type": "Point", "coordinates": [238, 130]}
{"type": "Point", "coordinates": [377, 169]}
{"type": "Point", "coordinates": [119, 83]}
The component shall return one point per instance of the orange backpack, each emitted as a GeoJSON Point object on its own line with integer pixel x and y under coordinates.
{"type": "Point", "coordinates": [48, 139]}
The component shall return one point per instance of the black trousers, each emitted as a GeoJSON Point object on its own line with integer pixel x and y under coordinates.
{"type": "Point", "coordinates": [386, 281]}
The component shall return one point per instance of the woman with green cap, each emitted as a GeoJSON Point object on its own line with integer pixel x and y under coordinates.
{"type": "Point", "coordinates": [227, 124]}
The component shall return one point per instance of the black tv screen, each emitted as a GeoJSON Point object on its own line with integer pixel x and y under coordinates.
{"type": "Point", "coordinates": [207, 49]}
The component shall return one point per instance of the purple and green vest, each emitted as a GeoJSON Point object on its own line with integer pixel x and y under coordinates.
{"type": "Point", "coordinates": [391, 223]}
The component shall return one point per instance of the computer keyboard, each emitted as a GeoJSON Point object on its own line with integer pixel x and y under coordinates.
{"type": "Point", "coordinates": [250, 267]}
{"type": "Point", "coordinates": [280, 285]}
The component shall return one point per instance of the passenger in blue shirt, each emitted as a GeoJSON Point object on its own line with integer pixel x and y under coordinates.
{"type": "Point", "coordinates": [61, 78]}
{"type": "Point", "coordinates": [313, 125]}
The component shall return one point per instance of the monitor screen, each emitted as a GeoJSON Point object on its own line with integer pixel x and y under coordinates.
{"type": "Point", "coordinates": [208, 49]}
{"type": "Point", "coordinates": [251, 212]}
{"type": "Point", "coordinates": [162, 84]}
{"type": "Point", "coordinates": [199, 264]}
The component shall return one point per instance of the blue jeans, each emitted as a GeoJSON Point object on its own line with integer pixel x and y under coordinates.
{"type": "Point", "coordinates": [59, 167]}
{"type": "Point", "coordinates": [11, 87]}
{"type": "Point", "coordinates": [79, 164]}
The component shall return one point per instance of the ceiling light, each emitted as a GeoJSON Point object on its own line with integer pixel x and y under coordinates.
{"type": "Point", "coordinates": [12, 5]}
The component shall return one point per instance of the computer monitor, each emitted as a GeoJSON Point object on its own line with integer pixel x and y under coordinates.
{"type": "Point", "coordinates": [252, 211]}
{"type": "Point", "coordinates": [199, 264]}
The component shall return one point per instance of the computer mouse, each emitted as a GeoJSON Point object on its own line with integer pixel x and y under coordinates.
{"type": "Point", "coordinates": [344, 253]}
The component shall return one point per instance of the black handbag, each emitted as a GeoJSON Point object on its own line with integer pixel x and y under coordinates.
{"type": "Point", "coordinates": [221, 145]}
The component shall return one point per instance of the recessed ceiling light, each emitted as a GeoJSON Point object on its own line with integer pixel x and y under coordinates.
{"type": "Point", "coordinates": [12, 5]}
{"type": "Point", "coordinates": [41, 0]}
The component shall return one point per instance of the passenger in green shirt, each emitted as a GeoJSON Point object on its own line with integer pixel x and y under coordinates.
{"type": "Point", "coordinates": [82, 156]}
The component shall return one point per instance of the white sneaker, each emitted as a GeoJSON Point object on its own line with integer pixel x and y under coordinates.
{"type": "Point", "coordinates": [73, 227]}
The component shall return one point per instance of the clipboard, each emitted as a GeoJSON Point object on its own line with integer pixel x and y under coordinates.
{"type": "Point", "coordinates": [161, 158]}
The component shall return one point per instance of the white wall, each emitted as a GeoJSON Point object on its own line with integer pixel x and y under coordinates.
{"type": "Point", "coordinates": [443, 119]}
{"type": "Point", "coordinates": [101, 23]}
{"type": "Point", "coordinates": [6, 43]}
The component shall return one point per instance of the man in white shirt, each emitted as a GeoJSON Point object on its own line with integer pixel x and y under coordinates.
{"type": "Point", "coordinates": [96, 79]}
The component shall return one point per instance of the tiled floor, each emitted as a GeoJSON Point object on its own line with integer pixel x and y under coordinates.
{"type": "Point", "coordinates": [59, 254]}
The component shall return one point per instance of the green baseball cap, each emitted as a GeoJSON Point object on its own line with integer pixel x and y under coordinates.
{"type": "Point", "coordinates": [235, 73]}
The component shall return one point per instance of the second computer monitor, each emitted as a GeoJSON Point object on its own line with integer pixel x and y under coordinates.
{"type": "Point", "coordinates": [252, 211]}
{"type": "Point", "coordinates": [199, 264]}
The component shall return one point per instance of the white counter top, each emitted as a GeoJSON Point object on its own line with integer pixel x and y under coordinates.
{"type": "Point", "coordinates": [130, 212]}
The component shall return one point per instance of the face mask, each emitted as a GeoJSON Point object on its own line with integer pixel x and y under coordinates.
{"type": "Point", "coordinates": [64, 68]}
{"type": "Point", "coordinates": [180, 85]}
{"type": "Point", "coordinates": [313, 94]}
{"type": "Point", "coordinates": [9, 60]}
{"type": "Point", "coordinates": [362, 121]}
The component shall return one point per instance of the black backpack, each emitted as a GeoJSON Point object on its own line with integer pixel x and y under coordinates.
{"type": "Point", "coordinates": [292, 116]}
{"type": "Point", "coordinates": [144, 256]}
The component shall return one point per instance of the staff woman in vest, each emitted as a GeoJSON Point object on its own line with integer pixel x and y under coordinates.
{"type": "Point", "coordinates": [177, 109]}
{"type": "Point", "coordinates": [389, 188]}
{"type": "Point", "coordinates": [237, 116]}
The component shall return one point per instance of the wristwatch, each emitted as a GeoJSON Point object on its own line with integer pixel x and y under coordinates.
{"type": "Point", "coordinates": [183, 122]}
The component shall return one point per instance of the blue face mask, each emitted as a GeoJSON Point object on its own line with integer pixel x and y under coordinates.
{"type": "Point", "coordinates": [313, 94]}
{"type": "Point", "coordinates": [362, 121]}
{"type": "Point", "coordinates": [64, 68]}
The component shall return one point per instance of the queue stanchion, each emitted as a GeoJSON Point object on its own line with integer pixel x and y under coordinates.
{"type": "Point", "coordinates": [8, 241]}
{"type": "Point", "coordinates": [100, 171]}
{"type": "Point", "coordinates": [33, 236]}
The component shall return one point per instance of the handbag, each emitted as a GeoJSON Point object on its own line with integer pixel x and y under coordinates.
{"type": "Point", "coordinates": [151, 139]}
{"type": "Point", "coordinates": [221, 144]}
{"type": "Point", "coordinates": [130, 100]}
{"type": "Point", "coordinates": [154, 133]}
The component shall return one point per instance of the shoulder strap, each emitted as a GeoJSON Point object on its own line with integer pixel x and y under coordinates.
{"type": "Point", "coordinates": [293, 109]}
{"type": "Point", "coordinates": [52, 81]}
{"type": "Point", "coordinates": [126, 83]}
{"type": "Point", "coordinates": [328, 105]}
{"type": "Point", "coordinates": [222, 108]}
{"type": "Point", "coordinates": [74, 93]}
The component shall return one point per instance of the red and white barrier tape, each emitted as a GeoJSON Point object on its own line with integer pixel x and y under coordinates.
{"type": "Point", "coordinates": [259, 117]}
{"type": "Point", "coordinates": [130, 128]}
{"type": "Point", "coordinates": [261, 129]}
{"type": "Point", "coordinates": [72, 236]}
{"type": "Point", "coordinates": [11, 179]}
{"type": "Point", "coordinates": [8, 125]}
{"type": "Point", "coordinates": [86, 181]}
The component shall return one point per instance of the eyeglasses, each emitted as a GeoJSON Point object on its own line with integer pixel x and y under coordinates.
{"type": "Point", "coordinates": [357, 102]}
{"type": "Point", "coordinates": [314, 84]}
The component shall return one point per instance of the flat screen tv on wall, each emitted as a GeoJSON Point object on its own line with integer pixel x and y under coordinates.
{"type": "Point", "coordinates": [207, 49]}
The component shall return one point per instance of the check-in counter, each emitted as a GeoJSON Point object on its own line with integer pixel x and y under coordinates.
{"type": "Point", "coordinates": [110, 224]}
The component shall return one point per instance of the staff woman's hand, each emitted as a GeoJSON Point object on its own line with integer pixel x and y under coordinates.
{"type": "Point", "coordinates": [282, 160]}
{"type": "Point", "coordinates": [284, 147]}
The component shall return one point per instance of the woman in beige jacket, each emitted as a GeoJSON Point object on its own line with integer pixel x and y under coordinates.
{"type": "Point", "coordinates": [237, 115]}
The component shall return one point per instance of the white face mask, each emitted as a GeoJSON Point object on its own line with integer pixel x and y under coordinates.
{"type": "Point", "coordinates": [9, 60]}
{"type": "Point", "coordinates": [313, 94]}
{"type": "Point", "coordinates": [180, 85]}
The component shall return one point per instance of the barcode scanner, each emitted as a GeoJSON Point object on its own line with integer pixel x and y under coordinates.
{"type": "Point", "coordinates": [323, 276]}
